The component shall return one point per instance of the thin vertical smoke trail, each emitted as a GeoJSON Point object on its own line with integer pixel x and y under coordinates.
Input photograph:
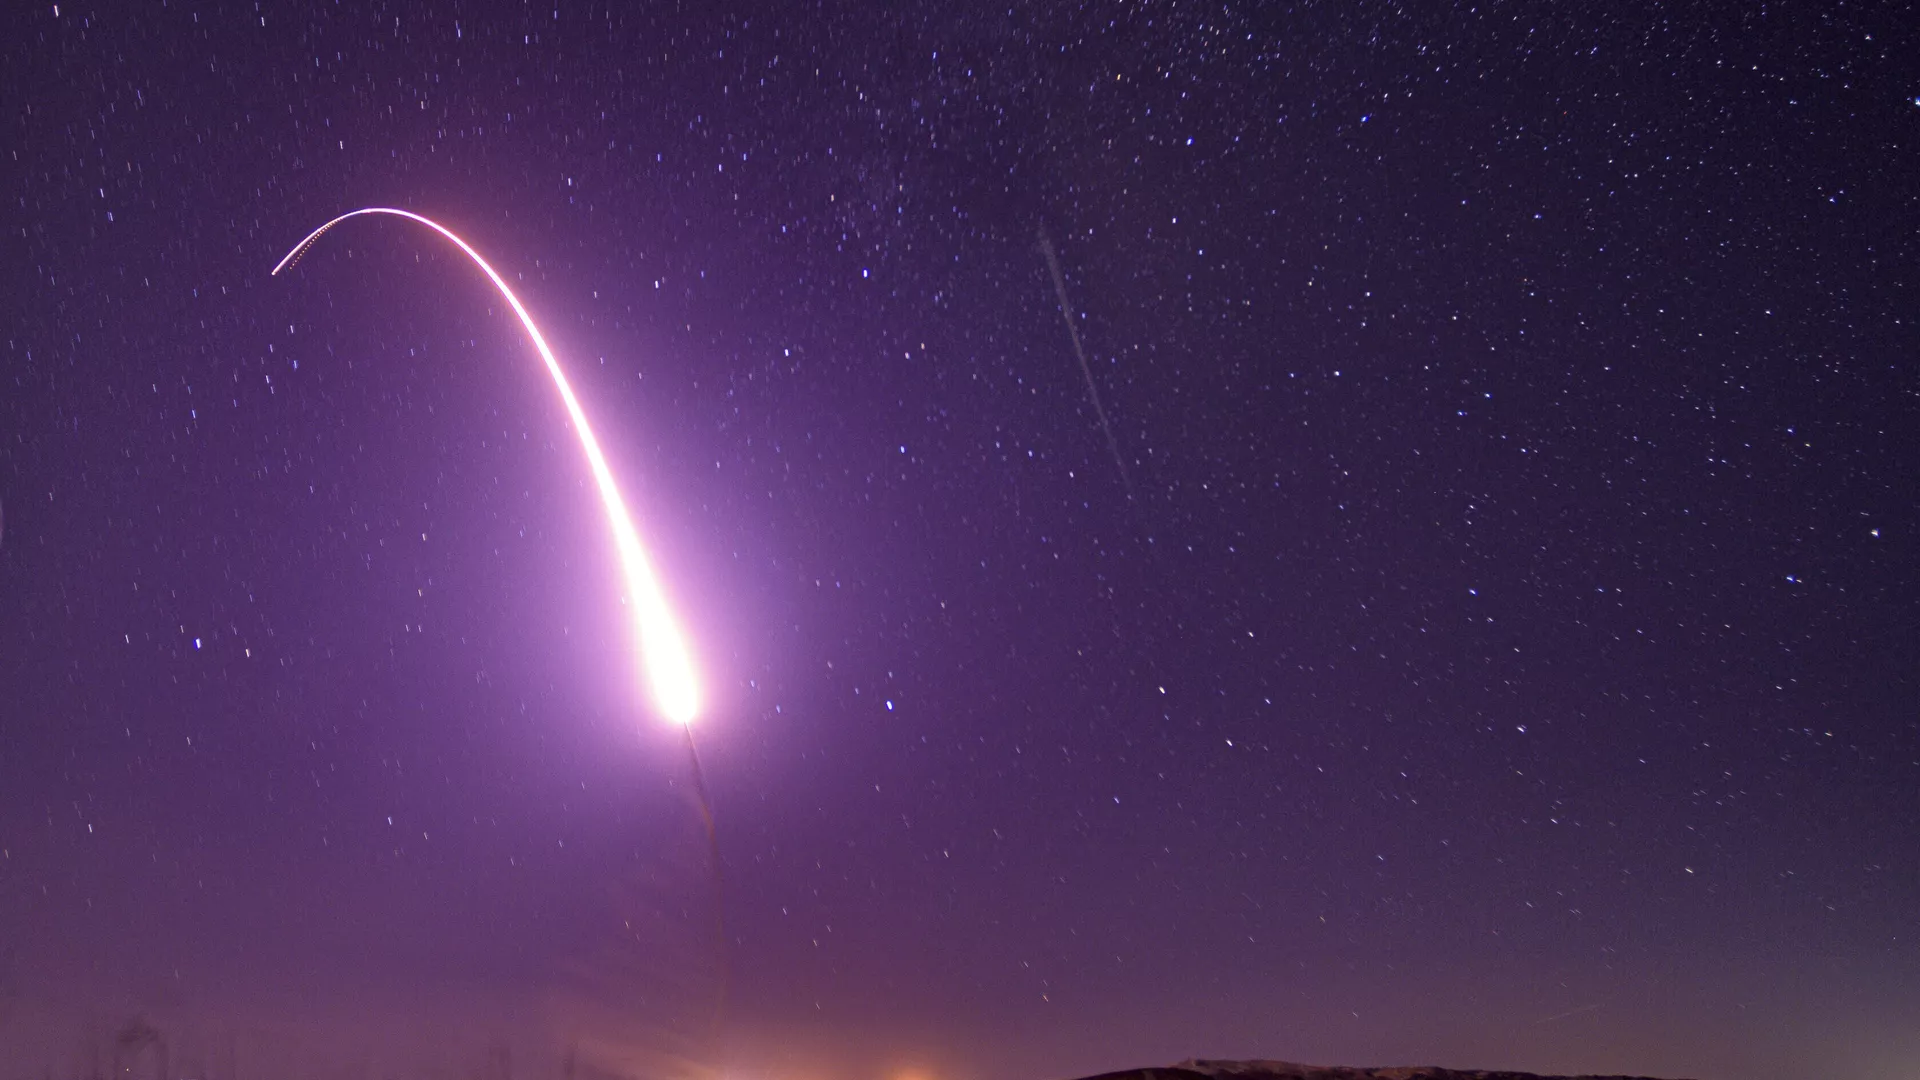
{"type": "Point", "coordinates": [1073, 332]}
{"type": "Point", "coordinates": [722, 953]}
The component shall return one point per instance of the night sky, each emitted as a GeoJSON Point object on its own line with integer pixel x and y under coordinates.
{"type": "Point", "coordinates": [1491, 637]}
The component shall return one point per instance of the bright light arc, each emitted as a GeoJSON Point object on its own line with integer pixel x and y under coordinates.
{"type": "Point", "coordinates": [663, 651]}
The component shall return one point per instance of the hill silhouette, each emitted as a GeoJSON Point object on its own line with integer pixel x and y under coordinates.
{"type": "Point", "coordinates": [1287, 1070]}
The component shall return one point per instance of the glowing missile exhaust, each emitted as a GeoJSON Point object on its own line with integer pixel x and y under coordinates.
{"type": "Point", "coordinates": [663, 651]}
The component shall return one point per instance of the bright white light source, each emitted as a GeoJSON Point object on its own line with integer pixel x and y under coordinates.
{"type": "Point", "coordinates": [663, 651]}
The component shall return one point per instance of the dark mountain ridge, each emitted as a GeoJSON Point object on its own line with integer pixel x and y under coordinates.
{"type": "Point", "coordinates": [1197, 1069]}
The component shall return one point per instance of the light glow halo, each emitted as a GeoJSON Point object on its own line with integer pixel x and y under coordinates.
{"type": "Point", "coordinates": [663, 650]}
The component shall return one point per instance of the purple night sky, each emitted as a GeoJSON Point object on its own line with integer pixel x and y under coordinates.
{"type": "Point", "coordinates": [1499, 651]}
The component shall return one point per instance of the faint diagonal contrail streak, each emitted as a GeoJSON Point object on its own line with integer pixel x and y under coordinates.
{"type": "Point", "coordinates": [1073, 332]}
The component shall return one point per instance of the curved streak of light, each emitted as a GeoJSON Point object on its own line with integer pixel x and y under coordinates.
{"type": "Point", "coordinates": [664, 653]}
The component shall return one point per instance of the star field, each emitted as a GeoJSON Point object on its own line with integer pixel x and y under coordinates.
{"type": "Point", "coordinates": [1499, 651]}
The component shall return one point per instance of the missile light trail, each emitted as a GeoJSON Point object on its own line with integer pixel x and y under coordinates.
{"type": "Point", "coordinates": [664, 655]}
